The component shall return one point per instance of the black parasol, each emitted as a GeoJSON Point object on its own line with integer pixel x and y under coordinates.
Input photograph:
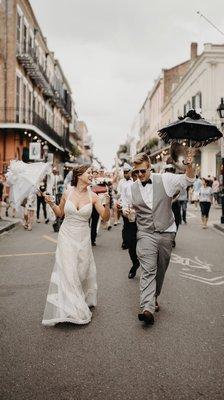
{"type": "Point", "coordinates": [193, 128]}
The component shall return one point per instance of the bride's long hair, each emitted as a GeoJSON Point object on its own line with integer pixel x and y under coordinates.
{"type": "Point", "coordinates": [78, 171]}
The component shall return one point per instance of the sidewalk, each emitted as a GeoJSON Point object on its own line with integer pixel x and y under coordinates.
{"type": "Point", "coordinates": [219, 226]}
{"type": "Point", "coordinates": [8, 223]}
{"type": "Point", "coordinates": [217, 213]}
{"type": "Point", "coordinates": [214, 216]}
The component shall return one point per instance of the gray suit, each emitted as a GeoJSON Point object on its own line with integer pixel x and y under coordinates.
{"type": "Point", "coordinates": [154, 245]}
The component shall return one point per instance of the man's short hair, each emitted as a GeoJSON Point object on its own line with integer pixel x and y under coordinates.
{"type": "Point", "coordinates": [140, 158]}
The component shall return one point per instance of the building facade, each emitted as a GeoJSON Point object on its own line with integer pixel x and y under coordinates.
{"type": "Point", "coordinates": [85, 143]}
{"type": "Point", "coordinates": [36, 103]}
{"type": "Point", "coordinates": [194, 84]}
{"type": "Point", "coordinates": [201, 88]}
{"type": "Point", "coordinates": [151, 117]}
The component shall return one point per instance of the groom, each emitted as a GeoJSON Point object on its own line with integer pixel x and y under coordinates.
{"type": "Point", "coordinates": [152, 200]}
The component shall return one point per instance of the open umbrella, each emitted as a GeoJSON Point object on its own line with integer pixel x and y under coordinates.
{"type": "Point", "coordinates": [196, 130]}
{"type": "Point", "coordinates": [22, 177]}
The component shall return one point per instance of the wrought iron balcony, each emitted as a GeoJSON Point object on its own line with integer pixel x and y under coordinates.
{"type": "Point", "coordinates": [63, 103]}
{"type": "Point", "coordinates": [28, 59]}
{"type": "Point", "coordinates": [27, 116]}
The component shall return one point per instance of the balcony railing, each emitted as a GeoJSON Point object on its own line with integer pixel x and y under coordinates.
{"type": "Point", "coordinates": [29, 60]}
{"type": "Point", "coordinates": [27, 116]}
{"type": "Point", "coordinates": [67, 144]}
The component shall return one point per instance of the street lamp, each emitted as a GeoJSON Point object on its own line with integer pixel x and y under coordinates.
{"type": "Point", "coordinates": [220, 111]}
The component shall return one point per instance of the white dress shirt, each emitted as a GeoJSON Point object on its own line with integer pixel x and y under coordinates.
{"type": "Point", "coordinates": [171, 182]}
{"type": "Point", "coordinates": [125, 193]}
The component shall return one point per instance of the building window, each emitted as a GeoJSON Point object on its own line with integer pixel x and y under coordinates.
{"type": "Point", "coordinates": [25, 33]}
{"type": "Point", "coordinates": [18, 31]}
{"type": "Point", "coordinates": [30, 102]}
{"type": "Point", "coordinates": [187, 107]}
{"type": "Point", "coordinates": [197, 102]}
{"type": "Point", "coordinates": [18, 90]}
{"type": "Point", "coordinates": [24, 102]}
{"type": "Point", "coordinates": [30, 44]}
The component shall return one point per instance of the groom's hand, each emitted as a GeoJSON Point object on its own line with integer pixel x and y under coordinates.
{"type": "Point", "coordinates": [106, 199]}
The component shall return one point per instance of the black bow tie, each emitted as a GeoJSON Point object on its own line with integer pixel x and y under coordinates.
{"type": "Point", "coordinates": [145, 183]}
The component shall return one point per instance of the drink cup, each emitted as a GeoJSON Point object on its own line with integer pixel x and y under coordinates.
{"type": "Point", "coordinates": [131, 215]}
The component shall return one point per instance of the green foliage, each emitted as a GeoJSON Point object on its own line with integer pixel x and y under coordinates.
{"type": "Point", "coordinates": [123, 148]}
{"type": "Point", "coordinates": [75, 151]}
{"type": "Point", "coordinates": [152, 143]}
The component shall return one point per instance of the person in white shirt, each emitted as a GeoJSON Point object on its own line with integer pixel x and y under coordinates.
{"type": "Point", "coordinates": [205, 200]}
{"type": "Point", "coordinates": [53, 180]}
{"type": "Point", "coordinates": [123, 190]}
{"type": "Point", "coordinates": [215, 191]}
{"type": "Point", "coordinates": [131, 227]}
{"type": "Point", "coordinates": [151, 197]}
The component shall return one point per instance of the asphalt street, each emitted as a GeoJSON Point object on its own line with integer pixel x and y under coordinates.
{"type": "Point", "coordinates": [114, 357]}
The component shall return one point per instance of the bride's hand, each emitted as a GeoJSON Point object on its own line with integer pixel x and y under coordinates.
{"type": "Point", "coordinates": [48, 198]}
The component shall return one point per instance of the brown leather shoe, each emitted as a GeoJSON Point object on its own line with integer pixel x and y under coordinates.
{"type": "Point", "coordinates": [157, 307]}
{"type": "Point", "coordinates": [146, 317]}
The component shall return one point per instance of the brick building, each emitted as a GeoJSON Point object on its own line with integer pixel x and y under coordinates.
{"type": "Point", "coordinates": [194, 84]}
{"type": "Point", "coordinates": [35, 97]}
{"type": "Point", "coordinates": [150, 115]}
{"type": "Point", "coordinates": [201, 88]}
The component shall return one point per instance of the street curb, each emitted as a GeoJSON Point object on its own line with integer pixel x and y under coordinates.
{"type": "Point", "coordinates": [219, 227]}
{"type": "Point", "coordinates": [9, 226]}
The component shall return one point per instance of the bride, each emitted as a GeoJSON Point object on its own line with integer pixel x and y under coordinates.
{"type": "Point", "coordinates": [73, 286]}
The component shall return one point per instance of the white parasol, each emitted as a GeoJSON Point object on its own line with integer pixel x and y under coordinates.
{"type": "Point", "coordinates": [22, 177]}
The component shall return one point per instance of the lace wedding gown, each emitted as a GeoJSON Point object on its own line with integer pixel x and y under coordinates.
{"type": "Point", "coordinates": [73, 287]}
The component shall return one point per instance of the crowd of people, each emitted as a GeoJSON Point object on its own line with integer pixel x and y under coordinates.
{"type": "Point", "coordinates": [151, 207]}
{"type": "Point", "coordinates": [203, 193]}
{"type": "Point", "coordinates": [145, 202]}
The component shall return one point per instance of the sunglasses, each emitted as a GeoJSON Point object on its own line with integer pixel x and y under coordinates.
{"type": "Point", "coordinates": [137, 171]}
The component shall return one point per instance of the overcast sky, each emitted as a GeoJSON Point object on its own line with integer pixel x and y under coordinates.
{"type": "Point", "coordinates": [112, 50]}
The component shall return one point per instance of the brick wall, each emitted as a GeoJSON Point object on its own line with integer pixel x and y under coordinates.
{"type": "Point", "coordinates": [173, 76]}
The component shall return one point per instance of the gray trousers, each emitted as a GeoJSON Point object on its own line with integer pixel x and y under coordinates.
{"type": "Point", "coordinates": [154, 251]}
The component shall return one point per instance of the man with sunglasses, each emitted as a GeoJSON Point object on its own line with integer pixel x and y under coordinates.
{"type": "Point", "coordinates": [151, 197]}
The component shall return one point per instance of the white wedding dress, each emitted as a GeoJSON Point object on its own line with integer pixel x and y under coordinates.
{"type": "Point", "coordinates": [73, 286]}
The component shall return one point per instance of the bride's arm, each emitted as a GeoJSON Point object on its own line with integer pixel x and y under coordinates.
{"type": "Point", "coordinates": [104, 211]}
{"type": "Point", "coordinates": [58, 210]}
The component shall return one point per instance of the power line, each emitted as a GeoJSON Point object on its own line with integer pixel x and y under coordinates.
{"type": "Point", "coordinates": [210, 22]}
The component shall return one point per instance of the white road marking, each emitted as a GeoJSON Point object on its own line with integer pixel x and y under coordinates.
{"type": "Point", "coordinates": [27, 254]}
{"type": "Point", "coordinates": [50, 238]}
{"type": "Point", "coordinates": [191, 264]}
{"type": "Point", "coordinates": [204, 280]}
